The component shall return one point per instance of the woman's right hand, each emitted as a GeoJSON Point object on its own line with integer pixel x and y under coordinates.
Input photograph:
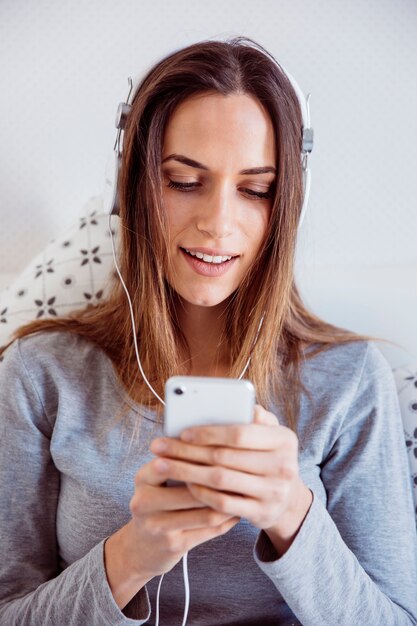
{"type": "Point", "coordinates": [166, 523]}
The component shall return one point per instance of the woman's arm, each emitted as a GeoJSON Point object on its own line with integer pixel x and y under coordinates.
{"type": "Point", "coordinates": [353, 561]}
{"type": "Point", "coordinates": [33, 590]}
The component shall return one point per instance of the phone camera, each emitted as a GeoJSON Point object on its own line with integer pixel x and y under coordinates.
{"type": "Point", "coordinates": [179, 390]}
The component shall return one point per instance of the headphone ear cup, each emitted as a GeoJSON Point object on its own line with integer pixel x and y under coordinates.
{"type": "Point", "coordinates": [111, 188]}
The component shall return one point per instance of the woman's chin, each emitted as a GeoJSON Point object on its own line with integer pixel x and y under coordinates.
{"type": "Point", "coordinates": [204, 299]}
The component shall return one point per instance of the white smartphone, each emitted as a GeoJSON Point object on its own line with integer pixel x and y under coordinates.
{"type": "Point", "coordinates": [200, 400]}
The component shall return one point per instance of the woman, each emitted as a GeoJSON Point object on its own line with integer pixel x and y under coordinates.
{"type": "Point", "coordinates": [304, 516]}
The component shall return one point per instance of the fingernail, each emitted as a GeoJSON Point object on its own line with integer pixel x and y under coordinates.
{"type": "Point", "coordinates": [187, 435]}
{"type": "Point", "coordinates": [161, 465]}
{"type": "Point", "coordinates": [159, 445]}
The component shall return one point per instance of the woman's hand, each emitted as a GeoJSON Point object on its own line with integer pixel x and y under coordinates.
{"type": "Point", "coordinates": [166, 523]}
{"type": "Point", "coordinates": [248, 471]}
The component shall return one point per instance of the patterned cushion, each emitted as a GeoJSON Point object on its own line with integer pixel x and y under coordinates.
{"type": "Point", "coordinates": [406, 380]}
{"type": "Point", "coordinates": [77, 268]}
{"type": "Point", "coordinates": [73, 270]}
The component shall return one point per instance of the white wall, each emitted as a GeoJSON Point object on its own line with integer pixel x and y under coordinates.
{"type": "Point", "coordinates": [63, 71]}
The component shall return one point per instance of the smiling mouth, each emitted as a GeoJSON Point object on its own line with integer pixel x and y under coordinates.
{"type": "Point", "coordinates": [208, 258]}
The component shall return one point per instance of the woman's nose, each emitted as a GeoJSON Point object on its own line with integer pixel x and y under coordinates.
{"type": "Point", "coordinates": [215, 217]}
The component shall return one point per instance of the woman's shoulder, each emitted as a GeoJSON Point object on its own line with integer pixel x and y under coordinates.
{"type": "Point", "coordinates": [55, 344]}
{"type": "Point", "coordinates": [59, 369]}
{"type": "Point", "coordinates": [347, 388]}
{"type": "Point", "coordinates": [343, 369]}
{"type": "Point", "coordinates": [57, 352]}
{"type": "Point", "coordinates": [360, 357]}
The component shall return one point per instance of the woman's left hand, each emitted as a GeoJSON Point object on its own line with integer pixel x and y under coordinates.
{"type": "Point", "coordinates": [248, 471]}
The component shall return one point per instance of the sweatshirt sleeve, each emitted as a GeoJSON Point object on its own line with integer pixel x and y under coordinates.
{"type": "Point", "coordinates": [33, 589]}
{"type": "Point", "coordinates": [354, 559]}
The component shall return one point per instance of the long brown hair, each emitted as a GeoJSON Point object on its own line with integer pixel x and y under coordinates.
{"type": "Point", "coordinates": [226, 67]}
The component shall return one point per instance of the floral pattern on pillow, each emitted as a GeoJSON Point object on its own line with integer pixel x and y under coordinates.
{"type": "Point", "coordinates": [406, 381]}
{"type": "Point", "coordinates": [74, 270]}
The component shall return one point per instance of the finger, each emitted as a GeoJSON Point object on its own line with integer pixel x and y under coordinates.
{"type": "Point", "coordinates": [224, 502]}
{"type": "Point", "coordinates": [232, 504]}
{"type": "Point", "coordinates": [149, 498]}
{"type": "Point", "coordinates": [261, 416]}
{"type": "Point", "coordinates": [153, 473]}
{"type": "Point", "coordinates": [187, 520]}
{"type": "Point", "coordinates": [149, 475]}
{"type": "Point", "coordinates": [280, 463]}
{"type": "Point", "coordinates": [251, 436]}
{"type": "Point", "coordinates": [194, 538]}
{"type": "Point", "coordinates": [175, 448]}
{"type": "Point", "coordinates": [263, 463]}
{"type": "Point", "coordinates": [222, 479]}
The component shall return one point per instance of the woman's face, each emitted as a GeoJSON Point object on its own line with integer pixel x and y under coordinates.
{"type": "Point", "coordinates": [218, 170]}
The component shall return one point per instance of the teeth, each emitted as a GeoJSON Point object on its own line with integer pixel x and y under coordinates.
{"type": "Point", "coordinates": [207, 258]}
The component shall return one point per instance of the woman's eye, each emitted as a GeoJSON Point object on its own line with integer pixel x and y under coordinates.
{"type": "Point", "coordinates": [182, 186]}
{"type": "Point", "coordinates": [259, 194]}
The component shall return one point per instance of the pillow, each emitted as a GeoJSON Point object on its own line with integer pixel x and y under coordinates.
{"type": "Point", "coordinates": [73, 270]}
{"type": "Point", "coordinates": [406, 381]}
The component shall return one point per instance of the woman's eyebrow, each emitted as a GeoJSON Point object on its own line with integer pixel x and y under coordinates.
{"type": "Point", "coordinates": [192, 163]}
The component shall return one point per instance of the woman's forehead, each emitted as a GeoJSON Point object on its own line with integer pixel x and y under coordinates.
{"type": "Point", "coordinates": [218, 126]}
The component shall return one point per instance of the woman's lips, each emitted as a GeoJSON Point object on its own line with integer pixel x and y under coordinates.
{"type": "Point", "coordinates": [208, 269]}
{"type": "Point", "coordinates": [211, 251]}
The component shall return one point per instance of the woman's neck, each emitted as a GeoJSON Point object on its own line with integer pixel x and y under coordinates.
{"type": "Point", "coordinates": [203, 329]}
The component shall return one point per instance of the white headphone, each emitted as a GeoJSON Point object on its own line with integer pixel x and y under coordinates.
{"type": "Point", "coordinates": [111, 192]}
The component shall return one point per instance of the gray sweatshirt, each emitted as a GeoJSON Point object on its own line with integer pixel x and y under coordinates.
{"type": "Point", "coordinates": [66, 477]}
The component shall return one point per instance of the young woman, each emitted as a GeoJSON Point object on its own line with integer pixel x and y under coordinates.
{"type": "Point", "coordinates": [304, 516]}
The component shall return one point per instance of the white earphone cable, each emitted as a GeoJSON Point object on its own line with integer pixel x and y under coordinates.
{"type": "Point", "coordinates": [131, 317]}
{"type": "Point", "coordinates": [186, 587]}
{"type": "Point", "coordinates": [157, 600]}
